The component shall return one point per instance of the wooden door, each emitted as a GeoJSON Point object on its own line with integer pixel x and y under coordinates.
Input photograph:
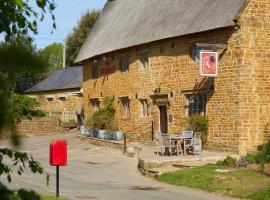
{"type": "Point", "coordinates": [163, 119]}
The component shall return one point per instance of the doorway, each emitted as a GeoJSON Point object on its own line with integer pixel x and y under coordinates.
{"type": "Point", "coordinates": [163, 119]}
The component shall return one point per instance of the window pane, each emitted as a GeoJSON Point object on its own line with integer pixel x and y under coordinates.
{"type": "Point", "coordinates": [95, 70]}
{"type": "Point", "coordinates": [144, 59]}
{"type": "Point", "coordinates": [124, 63]}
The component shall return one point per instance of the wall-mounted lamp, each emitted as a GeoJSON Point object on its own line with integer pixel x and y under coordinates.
{"type": "Point", "coordinates": [136, 96]}
{"type": "Point", "coordinates": [171, 94]}
{"type": "Point", "coordinates": [101, 94]}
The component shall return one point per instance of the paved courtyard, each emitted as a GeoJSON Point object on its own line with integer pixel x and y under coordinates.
{"type": "Point", "coordinates": [96, 172]}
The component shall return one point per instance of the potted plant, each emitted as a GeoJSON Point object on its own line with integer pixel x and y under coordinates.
{"type": "Point", "coordinates": [199, 123]}
{"type": "Point", "coordinates": [117, 135]}
{"type": "Point", "coordinates": [89, 128]}
{"type": "Point", "coordinates": [104, 118]}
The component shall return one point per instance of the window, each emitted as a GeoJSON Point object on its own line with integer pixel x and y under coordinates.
{"type": "Point", "coordinates": [62, 98]}
{"type": "Point", "coordinates": [144, 107]}
{"type": "Point", "coordinates": [95, 70]}
{"type": "Point", "coordinates": [197, 49]}
{"type": "Point", "coordinates": [125, 107]}
{"type": "Point", "coordinates": [49, 98]}
{"type": "Point", "coordinates": [144, 59]}
{"type": "Point", "coordinates": [95, 104]}
{"type": "Point", "coordinates": [124, 64]}
{"type": "Point", "coordinates": [196, 104]}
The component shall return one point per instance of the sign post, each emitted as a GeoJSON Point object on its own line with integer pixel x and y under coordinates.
{"type": "Point", "coordinates": [58, 157]}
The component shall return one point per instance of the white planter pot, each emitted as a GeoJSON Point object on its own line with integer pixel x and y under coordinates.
{"type": "Point", "coordinates": [117, 135]}
{"type": "Point", "coordinates": [101, 134]}
{"type": "Point", "coordinates": [82, 130]}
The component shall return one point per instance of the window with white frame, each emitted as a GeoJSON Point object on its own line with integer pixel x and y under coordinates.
{"type": "Point", "coordinates": [144, 60]}
{"type": "Point", "coordinates": [144, 107]}
{"type": "Point", "coordinates": [196, 104]}
{"type": "Point", "coordinates": [95, 103]}
{"type": "Point", "coordinates": [125, 104]}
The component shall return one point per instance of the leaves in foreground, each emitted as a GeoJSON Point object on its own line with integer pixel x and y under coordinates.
{"type": "Point", "coordinates": [19, 162]}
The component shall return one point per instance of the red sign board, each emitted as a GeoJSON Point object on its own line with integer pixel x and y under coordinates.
{"type": "Point", "coordinates": [58, 153]}
{"type": "Point", "coordinates": [208, 63]}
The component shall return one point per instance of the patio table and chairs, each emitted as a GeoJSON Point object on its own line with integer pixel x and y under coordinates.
{"type": "Point", "coordinates": [186, 143]}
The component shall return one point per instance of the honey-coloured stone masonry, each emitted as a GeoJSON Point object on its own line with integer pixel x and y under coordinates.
{"type": "Point", "coordinates": [238, 103]}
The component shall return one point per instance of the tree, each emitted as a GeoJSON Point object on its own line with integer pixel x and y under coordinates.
{"type": "Point", "coordinates": [17, 18]}
{"type": "Point", "coordinates": [53, 53]}
{"type": "Point", "coordinates": [79, 34]}
{"type": "Point", "coordinates": [25, 78]}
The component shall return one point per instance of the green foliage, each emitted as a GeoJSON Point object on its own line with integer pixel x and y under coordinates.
{"type": "Point", "coordinates": [79, 34]}
{"type": "Point", "coordinates": [251, 158]}
{"type": "Point", "coordinates": [104, 118]}
{"type": "Point", "coordinates": [261, 157]}
{"type": "Point", "coordinates": [241, 183]}
{"type": "Point", "coordinates": [229, 161]}
{"type": "Point", "coordinates": [53, 53]}
{"type": "Point", "coordinates": [18, 17]}
{"type": "Point", "coordinates": [199, 123]}
{"type": "Point", "coordinates": [24, 107]}
{"type": "Point", "coordinates": [23, 194]}
{"type": "Point", "coordinates": [19, 160]}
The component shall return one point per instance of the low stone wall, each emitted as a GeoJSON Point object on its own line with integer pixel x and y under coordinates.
{"type": "Point", "coordinates": [38, 127]}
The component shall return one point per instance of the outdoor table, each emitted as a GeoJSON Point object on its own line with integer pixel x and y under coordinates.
{"type": "Point", "coordinates": [179, 140]}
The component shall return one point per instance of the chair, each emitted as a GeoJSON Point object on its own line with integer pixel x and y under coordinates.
{"type": "Point", "coordinates": [187, 138]}
{"type": "Point", "coordinates": [164, 141]}
{"type": "Point", "coordinates": [197, 143]}
{"type": "Point", "coordinates": [193, 145]}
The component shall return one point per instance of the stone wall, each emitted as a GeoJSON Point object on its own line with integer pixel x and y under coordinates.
{"type": "Point", "coordinates": [38, 127]}
{"type": "Point", "coordinates": [254, 91]}
{"type": "Point", "coordinates": [237, 100]}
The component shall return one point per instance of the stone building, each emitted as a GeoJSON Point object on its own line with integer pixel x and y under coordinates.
{"type": "Point", "coordinates": [146, 55]}
{"type": "Point", "coordinates": [60, 94]}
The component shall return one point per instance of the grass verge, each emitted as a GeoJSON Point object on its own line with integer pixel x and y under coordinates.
{"type": "Point", "coordinates": [240, 183]}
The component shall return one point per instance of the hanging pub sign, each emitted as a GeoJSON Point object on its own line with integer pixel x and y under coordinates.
{"type": "Point", "coordinates": [106, 69]}
{"type": "Point", "coordinates": [209, 63]}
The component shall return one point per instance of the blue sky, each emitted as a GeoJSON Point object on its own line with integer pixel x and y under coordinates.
{"type": "Point", "coordinates": [67, 13]}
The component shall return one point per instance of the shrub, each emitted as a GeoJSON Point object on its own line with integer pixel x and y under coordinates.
{"type": "Point", "coordinates": [24, 107]}
{"type": "Point", "coordinates": [251, 159]}
{"type": "Point", "coordinates": [229, 161]}
{"type": "Point", "coordinates": [104, 118]}
{"type": "Point", "coordinates": [263, 155]}
{"type": "Point", "coordinates": [199, 123]}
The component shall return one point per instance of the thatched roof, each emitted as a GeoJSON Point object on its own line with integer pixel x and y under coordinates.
{"type": "Point", "coordinates": [126, 23]}
{"type": "Point", "coordinates": [68, 78]}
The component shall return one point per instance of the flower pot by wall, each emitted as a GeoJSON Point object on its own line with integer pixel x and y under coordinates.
{"type": "Point", "coordinates": [82, 130]}
{"type": "Point", "coordinates": [101, 134]}
{"type": "Point", "coordinates": [89, 132]}
{"type": "Point", "coordinates": [108, 135]}
{"type": "Point", "coordinates": [95, 133]}
{"type": "Point", "coordinates": [117, 135]}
